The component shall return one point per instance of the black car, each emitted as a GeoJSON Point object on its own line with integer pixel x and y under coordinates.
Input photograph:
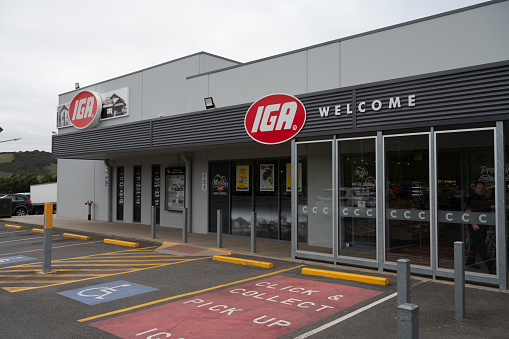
{"type": "Point", "coordinates": [21, 205]}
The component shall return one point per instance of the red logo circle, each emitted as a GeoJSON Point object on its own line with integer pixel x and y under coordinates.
{"type": "Point", "coordinates": [85, 109]}
{"type": "Point", "coordinates": [275, 118]}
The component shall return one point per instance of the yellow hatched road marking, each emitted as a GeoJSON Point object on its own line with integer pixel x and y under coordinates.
{"type": "Point", "coordinates": [100, 262]}
{"type": "Point", "coordinates": [88, 243]}
{"type": "Point", "coordinates": [38, 275]}
{"type": "Point", "coordinates": [106, 275]}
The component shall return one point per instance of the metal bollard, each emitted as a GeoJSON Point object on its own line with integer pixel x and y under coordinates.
{"type": "Point", "coordinates": [89, 204]}
{"type": "Point", "coordinates": [153, 222]}
{"type": "Point", "coordinates": [48, 228]}
{"type": "Point", "coordinates": [459, 279]}
{"type": "Point", "coordinates": [408, 321]}
{"type": "Point", "coordinates": [403, 281]}
{"type": "Point", "coordinates": [219, 228]}
{"type": "Point", "coordinates": [253, 232]}
{"type": "Point", "coordinates": [184, 225]}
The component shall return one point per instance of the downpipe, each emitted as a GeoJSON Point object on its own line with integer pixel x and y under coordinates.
{"type": "Point", "coordinates": [188, 190]}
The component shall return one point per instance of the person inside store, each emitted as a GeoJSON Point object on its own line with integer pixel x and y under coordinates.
{"type": "Point", "coordinates": [477, 202]}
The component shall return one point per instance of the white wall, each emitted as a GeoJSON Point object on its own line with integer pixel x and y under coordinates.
{"type": "Point", "coordinates": [468, 38]}
{"type": "Point", "coordinates": [80, 181]}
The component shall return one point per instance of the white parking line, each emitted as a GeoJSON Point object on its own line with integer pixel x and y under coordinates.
{"type": "Point", "coordinates": [4, 242]}
{"type": "Point", "coordinates": [12, 232]}
{"type": "Point", "coordinates": [337, 321]}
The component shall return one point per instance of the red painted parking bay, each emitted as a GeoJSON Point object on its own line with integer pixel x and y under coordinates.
{"type": "Point", "coordinates": [266, 308]}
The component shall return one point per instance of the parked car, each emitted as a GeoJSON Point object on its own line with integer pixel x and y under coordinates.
{"type": "Point", "coordinates": [21, 205]}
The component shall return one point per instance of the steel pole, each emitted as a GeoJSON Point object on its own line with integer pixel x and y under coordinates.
{"type": "Point", "coordinates": [219, 228]}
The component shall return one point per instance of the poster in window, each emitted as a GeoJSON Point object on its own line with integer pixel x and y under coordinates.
{"type": "Point", "coordinates": [289, 176]}
{"type": "Point", "coordinates": [175, 188]}
{"type": "Point", "coordinates": [267, 177]}
{"type": "Point", "coordinates": [242, 178]}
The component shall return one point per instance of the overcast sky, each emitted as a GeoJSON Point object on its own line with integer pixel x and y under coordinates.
{"type": "Point", "coordinates": [47, 46]}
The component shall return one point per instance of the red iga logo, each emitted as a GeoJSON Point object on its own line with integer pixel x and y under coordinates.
{"type": "Point", "coordinates": [85, 109]}
{"type": "Point", "coordinates": [275, 118]}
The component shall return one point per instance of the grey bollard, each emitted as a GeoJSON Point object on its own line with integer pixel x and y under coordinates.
{"type": "Point", "coordinates": [459, 279]}
{"type": "Point", "coordinates": [253, 232]}
{"type": "Point", "coordinates": [408, 321]}
{"type": "Point", "coordinates": [219, 228]}
{"type": "Point", "coordinates": [184, 225]}
{"type": "Point", "coordinates": [47, 237]}
{"type": "Point", "coordinates": [153, 222]}
{"type": "Point", "coordinates": [403, 281]}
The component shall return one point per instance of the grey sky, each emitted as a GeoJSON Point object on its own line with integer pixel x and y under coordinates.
{"type": "Point", "coordinates": [47, 46]}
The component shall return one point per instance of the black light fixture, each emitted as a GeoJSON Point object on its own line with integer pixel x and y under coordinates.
{"type": "Point", "coordinates": [209, 103]}
{"type": "Point", "coordinates": [77, 85]}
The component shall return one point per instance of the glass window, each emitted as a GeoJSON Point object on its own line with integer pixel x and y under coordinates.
{"type": "Point", "coordinates": [357, 197]}
{"type": "Point", "coordinates": [466, 192]}
{"type": "Point", "coordinates": [267, 197]}
{"type": "Point", "coordinates": [315, 198]}
{"type": "Point", "coordinates": [407, 221]}
{"type": "Point", "coordinates": [242, 197]}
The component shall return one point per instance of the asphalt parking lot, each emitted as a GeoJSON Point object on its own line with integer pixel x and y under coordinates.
{"type": "Point", "coordinates": [105, 291]}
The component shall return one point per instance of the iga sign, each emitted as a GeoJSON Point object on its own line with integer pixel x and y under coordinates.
{"type": "Point", "coordinates": [275, 118]}
{"type": "Point", "coordinates": [85, 109]}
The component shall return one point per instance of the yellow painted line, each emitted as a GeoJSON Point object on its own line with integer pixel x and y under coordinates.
{"type": "Point", "coordinates": [18, 289]}
{"type": "Point", "coordinates": [14, 226]}
{"type": "Point", "coordinates": [53, 276]}
{"type": "Point", "coordinates": [113, 261]}
{"type": "Point", "coordinates": [121, 243]}
{"type": "Point", "coordinates": [53, 248]}
{"type": "Point", "coordinates": [76, 236]}
{"type": "Point", "coordinates": [102, 265]}
{"type": "Point", "coordinates": [243, 261]}
{"type": "Point", "coordinates": [70, 270]}
{"type": "Point", "coordinates": [38, 230]}
{"type": "Point", "coordinates": [222, 251]}
{"type": "Point", "coordinates": [185, 295]}
{"type": "Point", "coordinates": [171, 243]}
{"type": "Point", "coordinates": [36, 281]}
{"type": "Point", "coordinates": [346, 276]}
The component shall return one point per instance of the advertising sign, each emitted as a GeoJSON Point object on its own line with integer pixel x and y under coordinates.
{"type": "Point", "coordinates": [242, 178]}
{"type": "Point", "coordinates": [175, 188]}
{"type": "Point", "coordinates": [85, 109]}
{"type": "Point", "coordinates": [275, 118]}
{"type": "Point", "coordinates": [267, 177]}
{"type": "Point", "coordinates": [289, 177]}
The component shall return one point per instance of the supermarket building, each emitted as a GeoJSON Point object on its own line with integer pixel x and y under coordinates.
{"type": "Point", "coordinates": [400, 124]}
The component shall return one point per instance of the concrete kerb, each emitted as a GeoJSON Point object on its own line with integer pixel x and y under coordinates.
{"type": "Point", "coordinates": [240, 252]}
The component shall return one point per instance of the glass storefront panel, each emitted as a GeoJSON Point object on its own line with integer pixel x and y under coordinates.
{"type": "Point", "coordinates": [219, 195]}
{"type": "Point", "coordinates": [466, 192]}
{"type": "Point", "coordinates": [315, 197]}
{"type": "Point", "coordinates": [285, 185]}
{"type": "Point", "coordinates": [266, 198]}
{"type": "Point", "coordinates": [242, 197]}
{"type": "Point", "coordinates": [407, 217]}
{"type": "Point", "coordinates": [357, 197]}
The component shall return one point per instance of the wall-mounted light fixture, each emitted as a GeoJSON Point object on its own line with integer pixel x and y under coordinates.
{"type": "Point", "coordinates": [209, 103]}
{"type": "Point", "coordinates": [77, 85]}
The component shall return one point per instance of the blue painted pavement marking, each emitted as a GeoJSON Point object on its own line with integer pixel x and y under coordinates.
{"type": "Point", "coordinates": [102, 293]}
{"type": "Point", "coordinates": [18, 258]}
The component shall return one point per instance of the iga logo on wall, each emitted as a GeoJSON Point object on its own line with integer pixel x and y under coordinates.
{"type": "Point", "coordinates": [275, 118]}
{"type": "Point", "coordinates": [85, 109]}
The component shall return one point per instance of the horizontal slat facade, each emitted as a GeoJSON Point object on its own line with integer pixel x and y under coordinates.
{"type": "Point", "coordinates": [474, 94]}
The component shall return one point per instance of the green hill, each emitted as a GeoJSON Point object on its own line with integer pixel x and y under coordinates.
{"type": "Point", "coordinates": [36, 162]}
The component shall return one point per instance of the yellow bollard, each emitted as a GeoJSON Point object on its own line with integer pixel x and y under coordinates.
{"type": "Point", "coordinates": [48, 215]}
{"type": "Point", "coordinates": [48, 225]}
